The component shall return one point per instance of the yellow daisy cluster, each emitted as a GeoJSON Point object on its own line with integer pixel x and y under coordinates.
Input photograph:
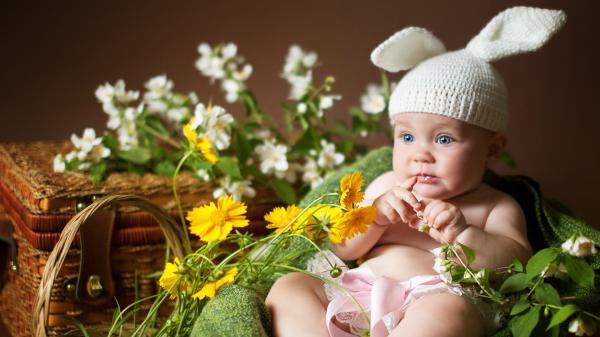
{"type": "Point", "coordinates": [317, 221]}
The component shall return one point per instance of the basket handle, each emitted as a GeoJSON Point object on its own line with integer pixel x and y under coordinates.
{"type": "Point", "coordinates": [173, 232]}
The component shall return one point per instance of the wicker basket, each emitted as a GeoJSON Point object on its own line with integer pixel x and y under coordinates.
{"type": "Point", "coordinates": [44, 285]}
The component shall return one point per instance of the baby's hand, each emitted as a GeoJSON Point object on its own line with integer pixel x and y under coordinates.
{"type": "Point", "coordinates": [397, 204]}
{"type": "Point", "coordinates": [446, 218]}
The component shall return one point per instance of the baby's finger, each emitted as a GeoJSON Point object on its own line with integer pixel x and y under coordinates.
{"type": "Point", "coordinates": [441, 220]}
{"type": "Point", "coordinates": [409, 183]}
{"type": "Point", "coordinates": [432, 209]}
{"type": "Point", "coordinates": [407, 197]}
{"type": "Point", "coordinates": [399, 208]}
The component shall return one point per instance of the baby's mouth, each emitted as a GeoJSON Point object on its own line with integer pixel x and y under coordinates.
{"type": "Point", "coordinates": [426, 178]}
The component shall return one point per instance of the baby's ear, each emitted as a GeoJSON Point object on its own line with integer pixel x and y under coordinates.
{"type": "Point", "coordinates": [496, 146]}
{"type": "Point", "coordinates": [406, 48]}
{"type": "Point", "coordinates": [515, 31]}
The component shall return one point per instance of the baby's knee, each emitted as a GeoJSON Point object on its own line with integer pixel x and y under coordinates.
{"type": "Point", "coordinates": [289, 286]}
{"type": "Point", "coordinates": [457, 314]}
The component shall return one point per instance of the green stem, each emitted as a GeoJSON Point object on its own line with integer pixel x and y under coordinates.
{"type": "Point", "coordinates": [176, 196]}
{"type": "Point", "coordinates": [485, 290]}
{"type": "Point", "coordinates": [162, 137]}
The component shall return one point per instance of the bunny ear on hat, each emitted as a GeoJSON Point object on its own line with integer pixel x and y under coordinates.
{"type": "Point", "coordinates": [515, 31]}
{"type": "Point", "coordinates": [406, 48]}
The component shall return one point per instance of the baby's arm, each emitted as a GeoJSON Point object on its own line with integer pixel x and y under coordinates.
{"type": "Point", "coordinates": [503, 237]}
{"type": "Point", "coordinates": [392, 203]}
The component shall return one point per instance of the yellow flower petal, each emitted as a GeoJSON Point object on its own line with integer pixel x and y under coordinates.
{"type": "Point", "coordinates": [190, 134]}
{"type": "Point", "coordinates": [206, 148]}
{"type": "Point", "coordinates": [350, 186]}
{"type": "Point", "coordinates": [214, 222]}
{"type": "Point", "coordinates": [280, 217]}
{"type": "Point", "coordinates": [352, 222]}
{"type": "Point", "coordinates": [210, 289]}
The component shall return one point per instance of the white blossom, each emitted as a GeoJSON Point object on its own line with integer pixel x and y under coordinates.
{"type": "Point", "coordinates": [579, 327]}
{"type": "Point", "coordinates": [299, 85]}
{"type": "Point", "coordinates": [272, 157]}
{"type": "Point", "coordinates": [328, 158]}
{"type": "Point", "coordinates": [158, 88]}
{"type": "Point", "coordinates": [213, 122]}
{"type": "Point", "coordinates": [326, 102]}
{"type": "Point", "coordinates": [291, 174]}
{"type": "Point", "coordinates": [442, 265]}
{"type": "Point", "coordinates": [59, 164]}
{"type": "Point", "coordinates": [297, 59]}
{"type": "Point", "coordinates": [237, 189]}
{"type": "Point", "coordinates": [86, 142]}
{"type": "Point", "coordinates": [311, 173]}
{"type": "Point", "coordinates": [203, 174]}
{"type": "Point", "coordinates": [373, 102]}
{"type": "Point", "coordinates": [301, 108]}
{"type": "Point", "coordinates": [123, 96]}
{"type": "Point", "coordinates": [580, 246]}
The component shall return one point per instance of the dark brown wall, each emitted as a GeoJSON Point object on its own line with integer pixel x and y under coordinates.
{"type": "Point", "coordinates": [54, 56]}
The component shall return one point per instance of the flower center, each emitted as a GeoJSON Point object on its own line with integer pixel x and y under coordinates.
{"type": "Point", "coordinates": [219, 217]}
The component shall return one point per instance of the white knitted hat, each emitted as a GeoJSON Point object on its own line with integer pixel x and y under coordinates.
{"type": "Point", "coordinates": [463, 84]}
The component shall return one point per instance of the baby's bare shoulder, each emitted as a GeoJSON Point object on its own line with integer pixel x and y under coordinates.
{"type": "Point", "coordinates": [506, 215]}
{"type": "Point", "coordinates": [380, 185]}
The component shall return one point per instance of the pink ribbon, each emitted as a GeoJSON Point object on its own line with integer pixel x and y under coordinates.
{"type": "Point", "coordinates": [378, 296]}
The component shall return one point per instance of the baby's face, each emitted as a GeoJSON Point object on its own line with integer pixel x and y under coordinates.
{"type": "Point", "coordinates": [447, 156]}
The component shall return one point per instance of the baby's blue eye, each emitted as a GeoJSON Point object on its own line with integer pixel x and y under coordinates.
{"type": "Point", "coordinates": [407, 138]}
{"type": "Point", "coordinates": [444, 139]}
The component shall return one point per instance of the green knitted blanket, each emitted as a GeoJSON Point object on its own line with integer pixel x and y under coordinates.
{"type": "Point", "coordinates": [240, 312]}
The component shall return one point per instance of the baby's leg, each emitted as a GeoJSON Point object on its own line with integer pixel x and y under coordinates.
{"type": "Point", "coordinates": [440, 315]}
{"type": "Point", "coordinates": [297, 303]}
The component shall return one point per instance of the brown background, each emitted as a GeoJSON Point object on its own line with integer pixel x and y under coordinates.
{"type": "Point", "coordinates": [54, 56]}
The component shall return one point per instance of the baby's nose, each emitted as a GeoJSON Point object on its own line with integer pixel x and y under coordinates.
{"type": "Point", "coordinates": [423, 156]}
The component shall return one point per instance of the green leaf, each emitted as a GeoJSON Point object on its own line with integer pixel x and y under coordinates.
{"type": "Point", "coordinates": [165, 168]}
{"type": "Point", "coordinates": [538, 262]}
{"type": "Point", "coordinates": [514, 283]}
{"type": "Point", "coordinates": [546, 294]}
{"type": "Point", "coordinates": [522, 326]}
{"type": "Point", "coordinates": [242, 146]}
{"type": "Point", "coordinates": [469, 253]}
{"type": "Point", "coordinates": [157, 125]}
{"type": "Point", "coordinates": [97, 172]}
{"type": "Point", "coordinates": [284, 190]}
{"type": "Point", "coordinates": [308, 141]}
{"type": "Point", "coordinates": [110, 142]}
{"type": "Point", "coordinates": [562, 314]}
{"type": "Point", "coordinates": [516, 265]}
{"type": "Point", "coordinates": [230, 167]}
{"type": "Point", "coordinates": [519, 307]}
{"type": "Point", "coordinates": [579, 271]}
{"type": "Point", "coordinates": [136, 155]}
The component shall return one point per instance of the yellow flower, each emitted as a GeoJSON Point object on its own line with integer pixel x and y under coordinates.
{"type": "Point", "coordinates": [206, 148]}
{"type": "Point", "coordinates": [320, 217]}
{"type": "Point", "coordinates": [169, 280]}
{"type": "Point", "coordinates": [280, 217]}
{"type": "Point", "coordinates": [352, 222]}
{"type": "Point", "coordinates": [190, 133]}
{"type": "Point", "coordinates": [203, 144]}
{"type": "Point", "coordinates": [214, 222]}
{"type": "Point", "coordinates": [350, 186]}
{"type": "Point", "coordinates": [210, 289]}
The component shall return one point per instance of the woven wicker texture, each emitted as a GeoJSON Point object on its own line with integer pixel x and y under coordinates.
{"type": "Point", "coordinates": [28, 171]}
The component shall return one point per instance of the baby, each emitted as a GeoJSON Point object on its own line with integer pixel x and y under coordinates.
{"type": "Point", "coordinates": [448, 114]}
